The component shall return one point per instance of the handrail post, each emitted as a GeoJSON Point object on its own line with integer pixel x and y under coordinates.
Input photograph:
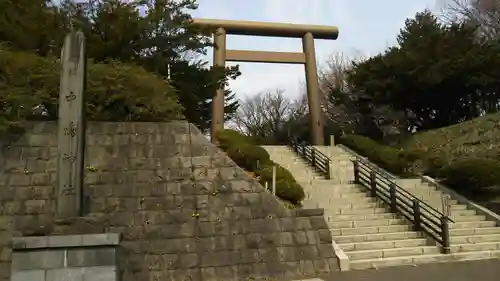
{"type": "Point", "coordinates": [417, 220]}
{"type": "Point", "coordinates": [373, 183]}
{"type": "Point", "coordinates": [327, 172]}
{"type": "Point", "coordinates": [356, 171]}
{"type": "Point", "coordinates": [313, 157]}
{"type": "Point", "coordinates": [445, 234]}
{"type": "Point", "coordinates": [394, 202]}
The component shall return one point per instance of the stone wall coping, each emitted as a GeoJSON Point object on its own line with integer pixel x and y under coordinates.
{"type": "Point", "coordinates": [65, 241]}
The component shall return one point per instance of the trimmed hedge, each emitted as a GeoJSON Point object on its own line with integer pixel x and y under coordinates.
{"type": "Point", "coordinates": [253, 158]}
{"type": "Point", "coordinates": [471, 175]}
{"type": "Point", "coordinates": [393, 160]}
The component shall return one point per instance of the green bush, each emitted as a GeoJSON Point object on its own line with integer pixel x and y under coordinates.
{"type": "Point", "coordinates": [266, 173]}
{"type": "Point", "coordinates": [289, 191]}
{"type": "Point", "coordinates": [393, 160]}
{"type": "Point", "coordinates": [114, 91]}
{"type": "Point", "coordinates": [242, 150]}
{"type": "Point", "coordinates": [433, 164]}
{"type": "Point", "coordinates": [231, 138]}
{"type": "Point", "coordinates": [471, 175]}
{"type": "Point", "coordinates": [253, 158]}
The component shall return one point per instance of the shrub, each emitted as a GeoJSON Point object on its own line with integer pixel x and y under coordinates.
{"type": "Point", "coordinates": [231, 138]}
{"type": "Point", "coordinates": [433, 164]}
{"type": "Point", "coordinates": [471, 175]}
{"type": "Point", "coordinates": [253, 158]}
{"type": "Point", "coordinates": [266, 173]}
{"type": "Point", "coordinates": [393, 160]}
{"type": "Point", "coordinates": [114, 91]}
{"type": "Point", "coordinates": [289, 191]}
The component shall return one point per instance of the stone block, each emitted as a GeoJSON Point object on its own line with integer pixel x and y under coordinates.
{"type": "Point", "coordinates": [188, 261]}
{"type": "Point", "coordinates": [64, 274]}
{"type": "Point", "coordinates": [101, 273]}
{"type": "Point", "coordinates": [325, 236]}
{"type": "Point", "coordinates": [318, 223]}
{"type": "Point", "coordinates": [220, 258]}
{"type": "Point", "coordinates": [42, 259]}
{"type": "Point", "coordinates": [326, 251]}
{"type": "Point", "coordinates": [249, 256]}
{"type": "Point", "coordinates": [31, 242]}
{"type": "Point", "coordinates": [102, 239]}
{"type": "Point", "coordinates": [286, 238]}
{"type": "Point", "coordinates": [28, 275]}
{"type": "Point", "coordinates": [66, 241]}
{"type": "Point", "coordinates": [40, 179]}
{"type": "Point", "coordinates": [91, 257]}
{"type": "Point", "coordinates": [300, 238]}
{"type": "Point", "coordinates": [209, 274]}
{"type": "Point", "coordinates": [19, 180]}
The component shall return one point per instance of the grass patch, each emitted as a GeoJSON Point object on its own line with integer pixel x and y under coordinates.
{"type": "Point", "coordinates": [447, 153]}
{"type": "Point", "coordinates": [477, 138]}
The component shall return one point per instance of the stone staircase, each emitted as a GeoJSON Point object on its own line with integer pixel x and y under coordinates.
{"type": "Point", "coordinates": [368, 233]}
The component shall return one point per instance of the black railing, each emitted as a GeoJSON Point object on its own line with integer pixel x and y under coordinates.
{"type": "Point", "coordinates": [424, 217]}
{"type": "Point", "coordinates": [313, 156]}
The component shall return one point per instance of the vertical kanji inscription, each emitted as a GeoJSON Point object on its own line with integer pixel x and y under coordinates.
{"type": "Point", "coordinates": [71, 127]}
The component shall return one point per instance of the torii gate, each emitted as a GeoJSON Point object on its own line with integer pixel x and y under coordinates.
{"type": "Point", "coordinates": [308, 57]}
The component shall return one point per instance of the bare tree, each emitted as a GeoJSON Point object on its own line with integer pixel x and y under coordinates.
{"type": "Point", "coordinates": [267, 114]}
{"type": "Point", "coordinates": [351, 111]}
{"type": "Point", "coordinates": [336, 97]}
{"type": "Point", "coordinates": [485, 14]}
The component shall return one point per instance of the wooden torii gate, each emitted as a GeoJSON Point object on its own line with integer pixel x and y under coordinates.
{"type": "Point", "coordinates": [308, 57]}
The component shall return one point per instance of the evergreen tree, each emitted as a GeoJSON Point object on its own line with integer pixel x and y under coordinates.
{"type": "Point", "coordinates": [438, 72]}
{"type": "Point", "coordinates": [156, 34]}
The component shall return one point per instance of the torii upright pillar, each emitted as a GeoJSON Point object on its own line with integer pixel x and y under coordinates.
{"type": "Point", "coordinates": [308, 57]}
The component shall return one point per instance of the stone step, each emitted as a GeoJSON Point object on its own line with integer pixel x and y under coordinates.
{"type": "Point", "coordinates": [354, 210]}
{"type": "Point", "coordinates": [371, 230]}
{"type": "Point", "coordinates": [470, 247]}
{"type": "Point", "coordinates": [339, 195]}
{"type": "Point", "coordinates": [475, 238]}
{"type": "Point", "coordinates": [424, 192]}
{"type": "Point", "coordinates": [335, 208]}
{"type": "Point", "coordinates": [331, 185]}
{"type": "Point", "coordinates": [386, 244]}
{"type": "Point", "coordinates": [350, 203]}
{"type": "Point", "coordinates": [363, 217]}
{"type": "Point", "coordinates": [333, 192]}
{"type": "Point", "coordinates": [474, 231]}
{"type": "Point", "coordinates": [393, 252]}
{"type": "Point", "coordinates": [346, 193]}
{"type": "Point", "coordinates": [363, 223]}
{"type": "Point", "coordinates": [454, 207]}
{"type": "Point", "coordinates": [377, 237]}
{"type": "Point", "coordinates": [457, 213]}
{"type": "Point", "coordinates": [341, 202]}
{"type": "Point", "coordinates": [468, 218]}
{"type": "Point", "coordinates": [422, 259]}
{"type": "Point", "coordinates": [473, 224]}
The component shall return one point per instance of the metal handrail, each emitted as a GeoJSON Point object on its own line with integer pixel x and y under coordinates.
{"type": "Point", "coordinates": [313, 156]}
{"type": "Point", "coordinates": [423, 216]}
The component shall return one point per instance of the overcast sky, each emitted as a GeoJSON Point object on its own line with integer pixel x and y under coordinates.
{"type": "Point", "coordinates": [366, 27]}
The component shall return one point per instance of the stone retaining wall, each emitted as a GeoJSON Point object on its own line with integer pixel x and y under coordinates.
{"type": "Point", "coordinates": [184, 210]}
{"type": "Point", "coordinates": [91, 257]}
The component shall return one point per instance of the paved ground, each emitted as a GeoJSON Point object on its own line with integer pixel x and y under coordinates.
{"type": "Point", "coordinates": [486, 270]}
